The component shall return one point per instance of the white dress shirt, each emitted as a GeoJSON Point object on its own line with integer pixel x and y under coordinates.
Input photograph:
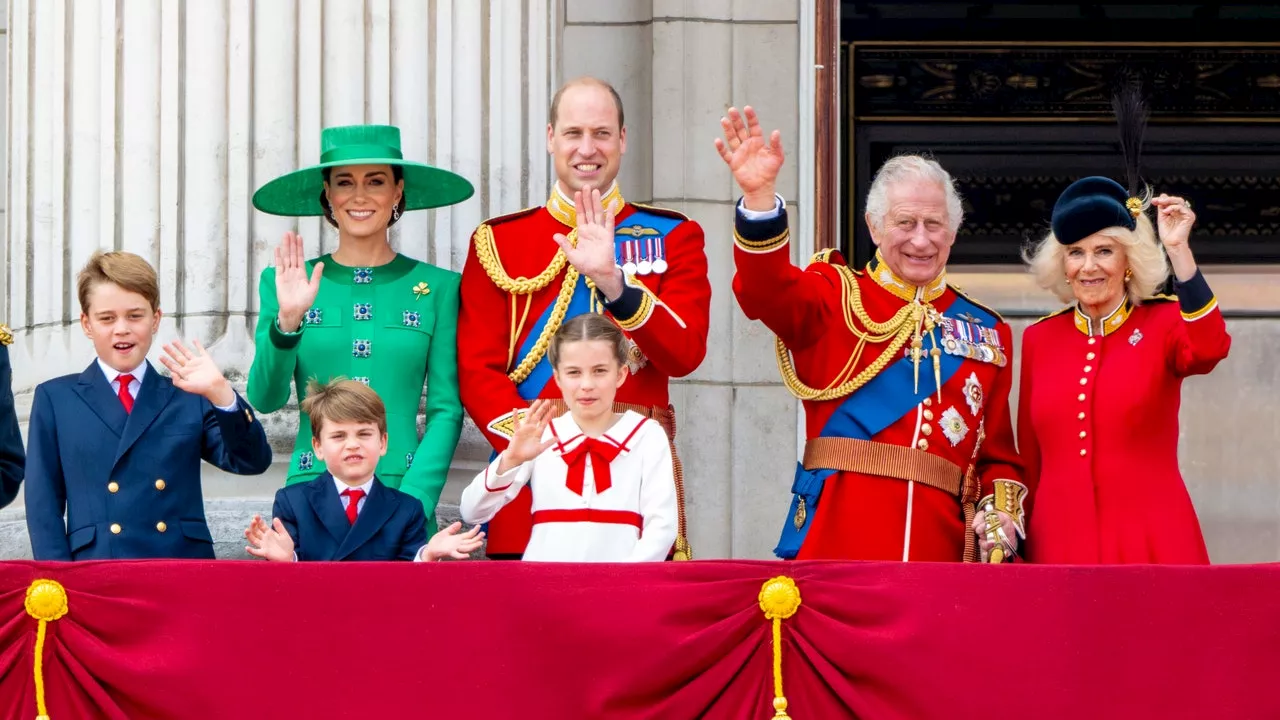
{"type": "Point", "coordinates": [762, 214]}
{"type": "Point", "coordinates": [367, 487]}
{"type": "Point", "coordinates": [113, 379]}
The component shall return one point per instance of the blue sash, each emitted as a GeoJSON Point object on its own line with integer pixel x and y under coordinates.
{"type": "Point", "coordinates": [884, 400]}
{"type": "Point", "coordinates": [638, 224]}
{"type": "Point", "coordinates": [531, 387]}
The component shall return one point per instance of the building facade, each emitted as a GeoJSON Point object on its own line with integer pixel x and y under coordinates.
{"type": "Point", "coordinates": [146, 125]}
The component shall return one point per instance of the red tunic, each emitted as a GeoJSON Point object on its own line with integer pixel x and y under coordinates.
{"type": "Point", "coordinates": [1098, 429]}
{"type": "Point", "coordinates": [871, 517]}
{"type": "Point", "coordinates": [666, 314]}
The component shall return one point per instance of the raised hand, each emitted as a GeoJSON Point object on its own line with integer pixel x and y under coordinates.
{"type": "Point", "coordinates": [753, 162]}
{"type": "Point", "coordinates": [295, 292]}
{"type": "Point", "coordinates": [449, 543]}
{"type": "Point", "coordinates": [257, 531]}
{"type": "Point", "coordinates": [197, 373]}
{"type": "Point", "coordinates": [270, 543]}
{"type": "Point", "coordinates": [594, 255]}
{"type": "Point", "coordinates": [526, 436]}
{"type": "Point", "coordinates": [1174, 220]}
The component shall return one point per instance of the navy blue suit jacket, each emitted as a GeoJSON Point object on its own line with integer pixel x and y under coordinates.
{"type": "Point", "coordinates": [390, 526]}
{"type": "Point", "coordinates": [12, 457]}
{"type": "Point", "coordinates": [129, 482]}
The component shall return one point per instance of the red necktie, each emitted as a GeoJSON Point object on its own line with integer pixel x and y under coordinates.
{"type": "Point", "coordinates": [602, 454]}
{"type": "Point", "coordinates": [353, 504]}
{"type": "Point", "coordinates": [125, 398]}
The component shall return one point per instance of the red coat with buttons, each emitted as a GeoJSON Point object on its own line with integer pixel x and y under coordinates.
{"type": "Point", "coordinates": [869, 517]}
{"type": "Point", "coordinates": [1098, 429]}
{"type": "Point", "coordinates": [666, 314]}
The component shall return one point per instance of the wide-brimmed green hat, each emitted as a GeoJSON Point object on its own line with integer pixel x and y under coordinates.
{"type": "Point", "coordinates": [298, 193]}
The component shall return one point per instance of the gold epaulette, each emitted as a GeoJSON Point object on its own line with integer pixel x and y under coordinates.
{"type": "Point", "coordinates": [1055, 313]}
{"type": "Point", "coordinates": [988, 308]}
{"type": "Point", "coordinates": [1162, 297]}
{"type": "Point", "coordinates": [511, 216]}
{"type": "Point", "coordinates": [832, 256]}
{"type": "Point", "coordinates": [6, 335]}
{"type": "Point", "coordinates": [666, 212]}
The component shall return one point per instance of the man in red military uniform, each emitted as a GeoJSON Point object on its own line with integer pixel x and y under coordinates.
{"type": "Point", "coordinates": [526, 273]}
{"type": "Point", "coordinates": [905, 381]}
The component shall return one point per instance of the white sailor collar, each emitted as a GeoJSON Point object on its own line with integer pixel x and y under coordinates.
{"type": "Point", "coordinates": [568, 435]}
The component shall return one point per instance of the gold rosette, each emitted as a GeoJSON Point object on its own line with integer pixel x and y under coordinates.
{"type": "Point", "coordinates": [46, 601]}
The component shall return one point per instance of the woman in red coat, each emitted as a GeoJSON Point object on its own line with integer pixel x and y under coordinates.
{"type": "Point", "coordinates": [1102, 381]}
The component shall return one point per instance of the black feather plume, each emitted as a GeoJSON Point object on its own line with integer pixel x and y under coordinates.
{"type": "Point", "coordinates": [1130, 106]}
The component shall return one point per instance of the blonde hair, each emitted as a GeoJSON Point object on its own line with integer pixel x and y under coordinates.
{"type": "Point", "coordinates": [908, 168]}
{"type": "Point", "coordinates": [342, 400]}
{"type": "Point", "coordinates": [1142, 252]}
{"type": "Point", "coordinates": [584, 327]}
{"type": "Point", "coordinates": [126, 270]}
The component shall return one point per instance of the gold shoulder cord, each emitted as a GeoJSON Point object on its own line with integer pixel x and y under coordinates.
{"type": "Point", "coordinates": [902, 328]}
{"type": "Point", "coordinates": [487, 254]}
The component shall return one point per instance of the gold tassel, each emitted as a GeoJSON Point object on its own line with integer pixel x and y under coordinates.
{"type": "Point", "coordinates": [779, 599]}
{"type": "Point", "coordinates": [46, 601]}
{"type": "Point", "coordinates": [917, 351]}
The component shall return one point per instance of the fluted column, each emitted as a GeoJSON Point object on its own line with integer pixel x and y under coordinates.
{"type": "Point", "coordinates": [146, 125]}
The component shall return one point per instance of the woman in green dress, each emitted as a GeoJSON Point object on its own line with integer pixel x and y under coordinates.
{"type": "Point", "coordinates": [364, 311]}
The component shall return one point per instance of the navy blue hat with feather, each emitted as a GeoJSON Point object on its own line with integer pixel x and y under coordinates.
{"type": "Point", "coordinates": [1096, 203]}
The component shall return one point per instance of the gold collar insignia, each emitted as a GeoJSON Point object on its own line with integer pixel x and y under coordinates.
{"type": "Point", "coordinates": [1109, 324]}
{"type": "Point", "coordinates": [889, 280]}
{"type": "Point", "coordinates": [561, 205]}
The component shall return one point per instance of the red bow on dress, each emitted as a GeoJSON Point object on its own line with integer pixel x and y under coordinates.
{"type": "Point", "coordinates": [602, 454]}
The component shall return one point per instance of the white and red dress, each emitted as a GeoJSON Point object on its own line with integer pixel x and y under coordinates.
{"type": "Point", "coordinates": [605, 499]}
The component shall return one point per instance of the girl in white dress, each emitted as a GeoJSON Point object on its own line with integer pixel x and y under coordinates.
{"type": "Point", "coordinates": [602, 482]}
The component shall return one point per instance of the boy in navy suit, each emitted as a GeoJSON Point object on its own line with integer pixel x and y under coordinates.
{"type": "Point", "coordinates": [118, 447]}
{"type": "Point", "coordinates": [347, 513]}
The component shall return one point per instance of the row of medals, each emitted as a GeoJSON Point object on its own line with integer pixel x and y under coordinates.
{"type": "Point", "coordinates": [654, 259]}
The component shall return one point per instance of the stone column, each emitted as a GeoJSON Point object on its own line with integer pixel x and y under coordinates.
{"type": "Point", "coordinates": [146, 125]}
{"type": "Point", "coordinates": [678, 65]}
{"type": "Point", "coordinates": [175, 112]}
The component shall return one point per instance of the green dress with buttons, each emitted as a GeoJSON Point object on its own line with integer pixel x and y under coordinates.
{"type": "Point", "coordinates": [390, 327]}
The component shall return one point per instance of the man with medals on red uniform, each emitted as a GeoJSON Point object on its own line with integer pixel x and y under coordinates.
{"type": "Point", "coordinates": [528, 272]}
{"type": "Point", "coordinates": [905, 381]}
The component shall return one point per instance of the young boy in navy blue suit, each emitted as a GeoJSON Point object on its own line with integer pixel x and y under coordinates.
{"type": "Point", "coordinates": [347, 513]}
{"type": "Point", "coordinates": [118, 447]}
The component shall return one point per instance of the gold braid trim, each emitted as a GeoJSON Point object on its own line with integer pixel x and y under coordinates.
{"type": "Point", "coordinates": [553, 324]}
{"type": "Point", "coordinates": [487, 254]}
{"type": "Point", "coordinates": [898, 330]}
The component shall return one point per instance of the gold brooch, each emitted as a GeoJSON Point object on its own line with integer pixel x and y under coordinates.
{"type": "Point", "coordinates": [6, 336]}
{"type": "Point", "coordinates": [420, 289]}
{"type": "Point", "coordinates": [1134, 205]}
